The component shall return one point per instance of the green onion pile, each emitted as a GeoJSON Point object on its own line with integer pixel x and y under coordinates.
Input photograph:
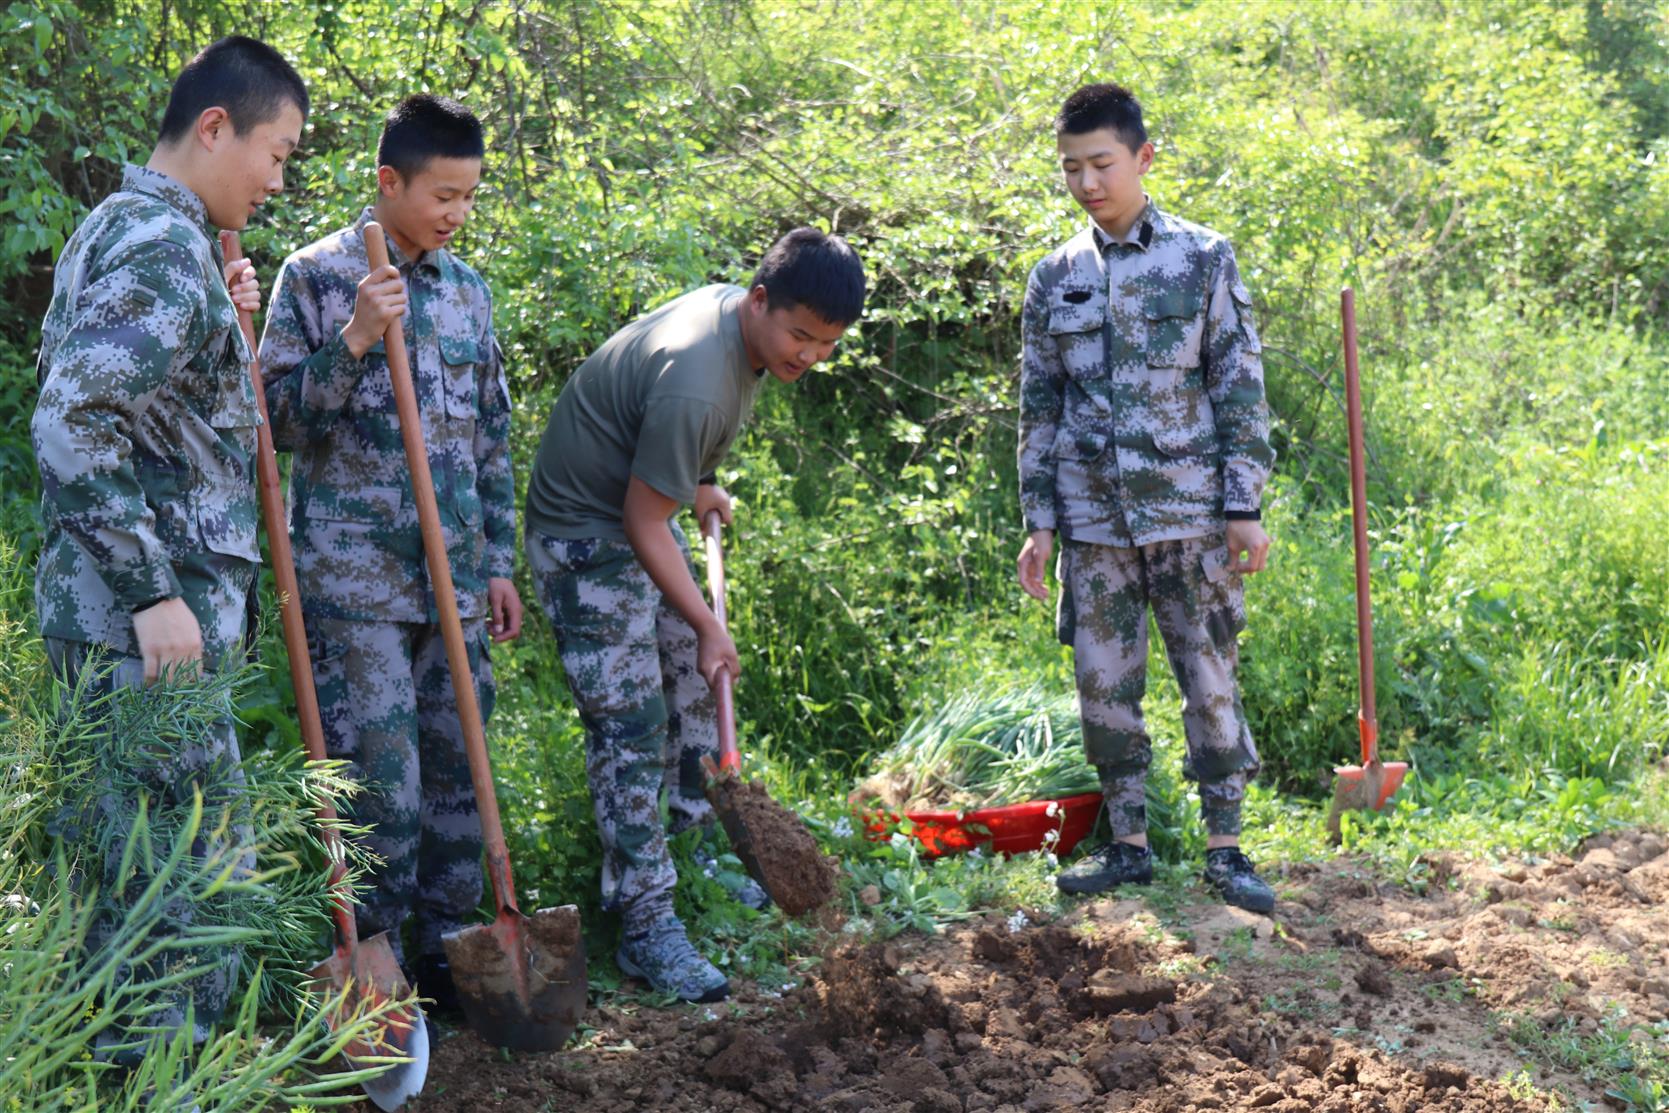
{"type": "Point", "coordinates": [983, 750]}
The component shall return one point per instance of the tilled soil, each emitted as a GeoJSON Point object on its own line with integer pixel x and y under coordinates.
{"type": "Point", "coordinates": [1356, 995]}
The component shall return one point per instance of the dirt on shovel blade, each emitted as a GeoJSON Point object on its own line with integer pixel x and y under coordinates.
{"type": "Point", "coordinates": [773, 844]}
{"type": "Point", "coordinates": [486, 977]}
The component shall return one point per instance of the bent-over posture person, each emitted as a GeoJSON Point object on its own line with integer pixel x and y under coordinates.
{"type": "Point", "coordinates": [635, 436]}
{"type": "Point", "coordinates": [1144, 442]}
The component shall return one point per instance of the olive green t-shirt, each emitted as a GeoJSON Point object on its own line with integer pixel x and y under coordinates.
{"type": "Point", "coordinates": [662, 399]}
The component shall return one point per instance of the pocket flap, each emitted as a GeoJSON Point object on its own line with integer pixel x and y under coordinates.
{"type": "Point", "coordinates": [375, 505]}
{"type": "Point", "coordinates": [1079, 444]}
{"type": "Point", "coordinates": [1173, 303]}
{"type": "Point", "coordinates": [1181, 442]}
{"type": "Point", "coordinates": [460, 349]}
{"type": "Point", "coordinates": [1077, 308]}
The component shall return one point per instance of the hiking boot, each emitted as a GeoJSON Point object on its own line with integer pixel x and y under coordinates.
{"type": "Point", "coordinates": [661, 954]}
{"type": "Point", "coordinates": [1108, 866]}
{"type": "Point", "coordinates": [1231, 874]}
{"type": "Point", "coordinates": [742, 888]}
{"type": "Point", "coordinates": [433, 978]}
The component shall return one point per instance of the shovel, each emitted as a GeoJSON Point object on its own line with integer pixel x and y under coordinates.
{"type": "Point", "coordinates": [367, 969]}
{"type": "Point", "coordinates": [771, 842]}
{"type": "Point", "coordinates": [1364, 787]}
{"type": "Point", "coordinates": [521, 979]}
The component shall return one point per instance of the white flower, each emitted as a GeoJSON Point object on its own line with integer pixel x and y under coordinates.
{"type": "Point", "coordinates": [976, 855]}
{"type": "Point", "coordinates": [1053, 809]}
{"type": "Point", "coordinates": [1017, 921]}
{"type": "Point", "coordinates": [1050, 838]}
{"type": "Point", "coordinates": [842, 827]}
{"type": "Point", "coordinates": [1053, 861]}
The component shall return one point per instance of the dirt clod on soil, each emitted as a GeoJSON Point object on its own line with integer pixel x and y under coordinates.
{"type": "Point", "coordinates": [1359, 998]}
{"type": "Point", "coordinates": [773, 844]}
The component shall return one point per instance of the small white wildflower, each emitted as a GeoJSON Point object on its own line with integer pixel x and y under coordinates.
{"type": "Point", "coordinates": [788, 987]}
{"type": "Point", "coordinates": [710, 1015]}
{"type": "Point", "coordinates": [1053, 809]}
{"type": "Point", "coordinates": [1017, 921]}
{"type": "Point", "coordinates": [842, 828]}
{"type": "Point", "coordinates": [976, 855]}
{"type": "Point", "coordinates": [707, 871]}
{"type": "Point", "coordinates": [1050, 838]}
{"type": "Point", "coordinates": [1053, 861]}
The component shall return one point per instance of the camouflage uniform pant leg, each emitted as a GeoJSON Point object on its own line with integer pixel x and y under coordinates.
{"type": "Point", "coordinates": [368, 703]}
{"type": "Point", "coordinates": [1103, 617]}
{"type": "Point", "coordinates": [1199, 606]}
{"type": "Point", "coordinates": [692, 724]}
{"type": "Point", "coordinates": [193, 767]}
{"type": "Point", "coordinates": [603, 606]}
{"type": "Point", "coordinates": [449, 847]}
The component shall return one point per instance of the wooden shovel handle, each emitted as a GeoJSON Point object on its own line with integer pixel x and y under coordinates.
{"type": "Point", "coordinates": [730, 758]}
{"type": "Point", "coordinates": [289, 610]}
{"type": "Point", "coordinates": [1369, 721]}
{"type": "Point", "coordinates": [446, 599]}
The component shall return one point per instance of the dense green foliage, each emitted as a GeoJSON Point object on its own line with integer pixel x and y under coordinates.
{"type": "Point", "coordinates": [1493, 180]}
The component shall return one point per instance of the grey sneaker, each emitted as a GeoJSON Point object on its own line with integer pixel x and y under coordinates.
{"type": "Point", "coordinates": [736, 882]}
{"type": "Point", "coordinates": [1236, 881]}
{"type": "Point", "coordinates": [1108, 866]}
{"type": "Point", "coordinates": [662, 955]}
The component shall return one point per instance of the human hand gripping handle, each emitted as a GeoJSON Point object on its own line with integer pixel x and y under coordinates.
{"type": "Point", "coordinates": [730, 759]}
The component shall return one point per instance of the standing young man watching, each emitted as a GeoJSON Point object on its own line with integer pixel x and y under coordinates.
{"type": "Point", "coordinates": [1144, 442]}
{"type": "Point", "coordinates": [634, 436]}
{"type": "Point", "coordinates": [144, 431]}
{"type": "Point", "coordinates": [379, 659]}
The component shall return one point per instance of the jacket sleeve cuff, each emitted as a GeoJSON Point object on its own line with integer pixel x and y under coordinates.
{"type": "Point", "coordinates": [144, 586]}
{"type": "Point", "coordinates": [1040, 519]}
{"type": "Point", "coordinates": [1253, 515]}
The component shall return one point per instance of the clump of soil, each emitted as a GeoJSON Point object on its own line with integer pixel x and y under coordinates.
{"type": "Point", "coordinates": [773, 844]}
{"type": "Point", "coordinates": [1358, 997]}
{"type": "Point", "coordinates": [486, 970]}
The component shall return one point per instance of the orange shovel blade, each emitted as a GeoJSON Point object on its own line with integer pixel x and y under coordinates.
{"type": "Point", "coordinates": [1389, 775]}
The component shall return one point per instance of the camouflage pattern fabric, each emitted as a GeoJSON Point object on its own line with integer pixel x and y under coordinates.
{"type": "Point", "coordinates": [144, 430]}
{"type": "Point", "coordinates": [386, 698]}
{"type": "Point", "coordinates": [213, 760]}
{"type": "Point", "coordinates": [353, 523]}
{"type": "Point", "coordinates": [1197, 603]}
{"type": "Point", "coordinates": [1142, 412]}
{"type": "Point", "coordinates": [648, 714]}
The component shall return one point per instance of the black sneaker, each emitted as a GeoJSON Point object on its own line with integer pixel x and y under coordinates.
{"type": "Point", "coordinates": [1108, 866]}
{"type": "Point", "coordinates": [433, 978]}
{"type": "Point", "coordinates": [1231, 874]}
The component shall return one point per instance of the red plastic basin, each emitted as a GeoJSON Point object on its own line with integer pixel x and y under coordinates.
{"type": "Point", "coordinates": [1056, 825]}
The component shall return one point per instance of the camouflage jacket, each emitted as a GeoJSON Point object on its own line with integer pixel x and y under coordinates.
{"type": "Point", "coordinates": [144, 430]}
{"type": "Point", "coordinates": [1142, 413]}
{"type": "Point", "coordinates": [353, 523]}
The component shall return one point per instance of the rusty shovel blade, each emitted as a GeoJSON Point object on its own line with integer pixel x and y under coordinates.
{"type": "Point", "coordinates": [370, 974]}
{"type": "Point", "coordinates": [521, 979]}
{"type": "Point", "coordinates": [772, 843]}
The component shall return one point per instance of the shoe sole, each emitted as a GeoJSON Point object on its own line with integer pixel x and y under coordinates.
{"type": "Point", "coordinates": [718, 993]}
{"type": "Point", "coordinates": [1085, 889]}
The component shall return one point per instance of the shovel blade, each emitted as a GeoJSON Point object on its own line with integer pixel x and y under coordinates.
{"type": "Point", "coordinates": [1362, 788]}
{"type": "Point", "coordinates": [772, 844]}
{"type": "Point", "coordinates": [371, 975]}
{"type": "Point", "coordinates": [521, 979]}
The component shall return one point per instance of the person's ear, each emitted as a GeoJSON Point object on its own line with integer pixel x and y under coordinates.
{"type": "Point", "coordinates": [213, 125]}
{"type": "Point", "coordinates": [388, 181]}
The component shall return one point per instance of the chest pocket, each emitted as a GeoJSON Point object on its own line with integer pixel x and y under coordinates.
{"type": "Point", "coordinates": [232, 403]}
{"type": "Point", "coordinates": [1175, 328]}
{"type": "Point", "coordinates": [1078, 322]}
{"type": "Point", "coordinates": [461, 358]}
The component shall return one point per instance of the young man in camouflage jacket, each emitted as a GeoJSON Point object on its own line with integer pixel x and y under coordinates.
{"type": "Point", "coordinates": [144, 433]}
{"type": "Point", "coordinates": [1144, 442]}
{"type": "Point", "coordinates": [378, 656]}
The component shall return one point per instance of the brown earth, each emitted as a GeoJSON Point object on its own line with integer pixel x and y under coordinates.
{"type": "Point", "coordinates": [1356, 995]}
{"type": "Point", "coordinates": [793, 869]}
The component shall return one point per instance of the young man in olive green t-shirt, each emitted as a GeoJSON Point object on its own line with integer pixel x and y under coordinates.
{"type": "Point", "coordinates": [635, 435]}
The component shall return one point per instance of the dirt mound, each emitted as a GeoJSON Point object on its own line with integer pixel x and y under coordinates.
{"type": "Point", "coordinates": [774, 845]}
{"type": "Point", "coordinates": [1357, 996]}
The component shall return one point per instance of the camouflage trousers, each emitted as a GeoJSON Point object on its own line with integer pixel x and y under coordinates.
{"type": "Point", "coordinates": [649, 716]}
{"type": "Point", "coordinates": [211, 763]}
{"type": "Point", "coordinates": [385, 695]}
{"type": "Point", "coordinates": [1198, 605]}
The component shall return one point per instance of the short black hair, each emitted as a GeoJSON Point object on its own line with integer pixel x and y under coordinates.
{"type": "Point", "coordinates": [245, 76]}
{"type": "Point", "coordinates": [423, 127]}
{"type": "Point", "coordinates": [1110, 106]}
{"type": "Point", "coordinates": [814, 269]}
